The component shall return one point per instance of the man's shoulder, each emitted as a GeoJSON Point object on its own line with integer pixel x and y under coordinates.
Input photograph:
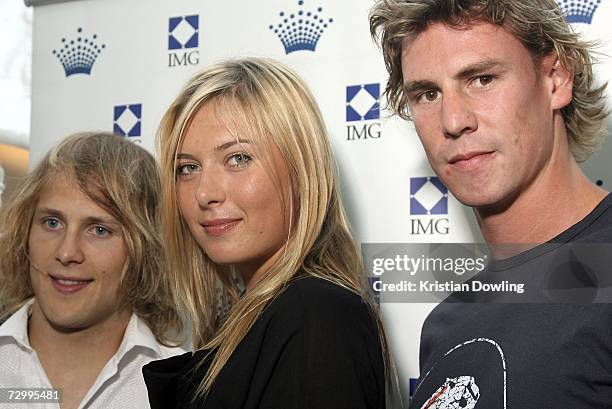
{"type": "Point", "coordinates": [170, 351]}
{"type": "Point", "coordinates": [529, 348]}
{"type": "Point", "coordinates": [15, 325]}
{"type": "Point", "coordinates": [596, 227]}
{"type": "Point", "coordinates": [139, 334]}
{"type": "Point", "coordinates": [20, 367]}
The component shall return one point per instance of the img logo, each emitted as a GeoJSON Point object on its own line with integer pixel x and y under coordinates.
{"type": "Point", "coordinates": [363, 111]}
{"type": "Point", "coordinates": [183, 40]}
{"type": "Point", "coordinates": [79, 54]}
{"type": "Point", "coordinates": [579, 11]}
{"type": "Point", "coordinates": [127, 120]}
{"type": "Point", "coordinates": [428, 197]}
{"type": "Point", "coordinates": [301, 29]}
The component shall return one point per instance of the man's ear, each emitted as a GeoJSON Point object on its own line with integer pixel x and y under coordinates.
{"type": "Point", "coordinates": [560, 78]}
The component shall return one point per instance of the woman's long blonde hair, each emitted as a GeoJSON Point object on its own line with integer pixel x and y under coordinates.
{"type": "Point", "coordinates": [272, 105]}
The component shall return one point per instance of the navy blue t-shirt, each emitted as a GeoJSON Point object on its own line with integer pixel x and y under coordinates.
{"type": "Point", "coordinates": [553, 353]}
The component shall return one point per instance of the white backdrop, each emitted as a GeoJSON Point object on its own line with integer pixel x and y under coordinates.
{"type": "Point", "coordinates": [135, 70]}
{"type": "Point", "coordinates": [15, 72]}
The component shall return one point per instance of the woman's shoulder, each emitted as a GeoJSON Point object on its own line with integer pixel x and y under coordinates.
{"type": "Point", "coordinates": [312, 285]}
{"type": "Point", "coordinates": [309, 299]}
{"type": "Point", "coordinates": [315, 293]}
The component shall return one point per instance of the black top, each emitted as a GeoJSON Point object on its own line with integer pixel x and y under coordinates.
{"type": "Point", "coordinates": [530, 355]}
{"type": "Point", "coordinates": [315, 346]}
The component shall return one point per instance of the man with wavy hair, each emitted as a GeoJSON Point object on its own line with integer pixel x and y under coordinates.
{"type": "Point", "coordinates": [502, 98]}
{"type": "Point", "coordinates": [84, 284]}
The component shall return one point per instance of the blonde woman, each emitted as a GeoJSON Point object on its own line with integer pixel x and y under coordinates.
{"type": "Point", "coordinates": [249, 187]}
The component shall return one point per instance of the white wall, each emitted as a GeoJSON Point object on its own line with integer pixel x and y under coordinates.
{"type": "Point", "coordinates": [15, 72]}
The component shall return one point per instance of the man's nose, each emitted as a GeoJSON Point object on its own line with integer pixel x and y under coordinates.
{"type": "Point", "coordinates": [457, 117]}
{"type": "Point", "coordinates": [69, 249]}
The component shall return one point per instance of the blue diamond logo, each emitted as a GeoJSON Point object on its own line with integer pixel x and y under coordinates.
{"type": "Point", "coordinates": [362, 102]}
{"type": "Point", "coordinates": [127, 120]}
{"type": "Point", "coordinates": [183, 32]}
{"type": "Point", "coordinates": [428, 196]}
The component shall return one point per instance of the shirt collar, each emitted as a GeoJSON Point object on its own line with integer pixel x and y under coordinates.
{"type": "Point", "coordinates": [138, 334]}
{"type": "Point", "coordinates": [16, 326]}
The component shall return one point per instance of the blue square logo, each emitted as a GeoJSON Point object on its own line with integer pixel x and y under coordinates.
{"type": "Point", "coordinates": [428, 196]}
{"type": "Point", "coordinates": [127, 120]}
{"type": "Point", "coordinates": [362, 102]}
{"type": "Point", "coordinates": [183, 32]}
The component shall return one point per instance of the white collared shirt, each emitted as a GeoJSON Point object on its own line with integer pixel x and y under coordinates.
{"type": "Point", "coordinates": [120, 383]}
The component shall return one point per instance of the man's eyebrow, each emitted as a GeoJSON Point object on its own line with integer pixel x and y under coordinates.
{"type": "Point", "coordinates": [49, 211]}
{"type": "Point", "coordinates": [479, 68]}
{"type": "Point", "coordinates": [411, 87]}
{"type": "Point", "coordinates": [101, 220]}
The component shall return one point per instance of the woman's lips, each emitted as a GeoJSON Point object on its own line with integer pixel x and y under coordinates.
{"type": "Point", "coordinates": [219, 227]}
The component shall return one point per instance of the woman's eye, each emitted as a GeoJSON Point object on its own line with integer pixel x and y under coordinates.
{"type": "Point", "coordinates": [238, 160]}
{"type": "Point", "coordinates": [187, 169]}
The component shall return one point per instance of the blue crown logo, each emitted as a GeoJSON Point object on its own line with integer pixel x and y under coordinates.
{"type": "Point", "coordinates": [183, 32]}
{"type": "Point", "coordinates": [79, 54]}
{"type": "Point", "coordinates": [362, 102]}
{"type": "Point", "coordinates": [428, 196]}
{"type": "Point", "coordinates": [579, 11]}
{"type": "Point", "coordinates": [127, 120]}
{"type": "Point", "coordinates": [300, 30]}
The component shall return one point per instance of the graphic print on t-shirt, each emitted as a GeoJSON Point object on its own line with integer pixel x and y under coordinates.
{"type": "Point", "coordinates": [471, 373]}
{"type": "Point", "coordinates": [456, 393]}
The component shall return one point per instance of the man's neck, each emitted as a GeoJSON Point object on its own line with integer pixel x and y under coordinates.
{"type": "Point", "coordinates": [559, 198]}
{"type": "Point", "coordinates": [73, 360]}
